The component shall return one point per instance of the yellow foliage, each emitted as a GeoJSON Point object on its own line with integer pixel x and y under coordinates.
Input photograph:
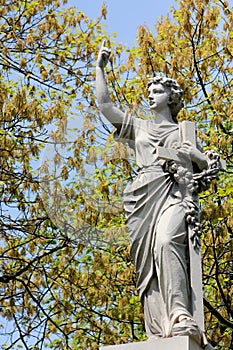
{"type": "Point", "coordinates": [23, 62]}
{"type": "Point", "coordinates": [62, 274]}
{"type": "Point", "coordinates": [104, 11]}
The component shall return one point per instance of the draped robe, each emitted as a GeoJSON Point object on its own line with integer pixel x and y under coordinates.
{"type": "Point", "coordinates": [155, 218]}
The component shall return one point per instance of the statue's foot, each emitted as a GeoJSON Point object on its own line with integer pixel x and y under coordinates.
{"type": "Point", "coordinates": [187, 326]}
{"type": "Point", "coordinates": [155, 336]}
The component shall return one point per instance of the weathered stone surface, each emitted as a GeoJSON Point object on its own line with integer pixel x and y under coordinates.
{"type": "Point", "coordinates": [162, 209]}
{"type": "Point", "coordinates": [175, 343]}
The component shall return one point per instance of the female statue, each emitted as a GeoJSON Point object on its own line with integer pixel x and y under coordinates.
{"type": "Point", "coordinates": [156, 205]}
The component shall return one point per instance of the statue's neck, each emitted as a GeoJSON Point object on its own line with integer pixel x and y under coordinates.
{"type": "Point", "coordinates": [164, 117]}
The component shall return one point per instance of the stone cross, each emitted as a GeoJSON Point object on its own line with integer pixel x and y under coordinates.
{"type": "Point", "coordinates": [188, 133]}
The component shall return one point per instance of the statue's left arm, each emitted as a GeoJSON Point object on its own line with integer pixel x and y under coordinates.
{"type": "Point", "coordinates": [195, 155]}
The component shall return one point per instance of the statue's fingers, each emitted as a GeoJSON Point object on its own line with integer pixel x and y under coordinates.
{"type": "Point", "coordinates": [184, 148]}
{"type": "Point", "coordinates": [187, 143]}
{"type": "Point", "coordinates": [105, 44]}
{"type": "Point", "coordinates": [106, 53]}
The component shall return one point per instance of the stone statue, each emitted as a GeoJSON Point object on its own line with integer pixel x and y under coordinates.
{"type": "Point", "coordinates": [161, 203]}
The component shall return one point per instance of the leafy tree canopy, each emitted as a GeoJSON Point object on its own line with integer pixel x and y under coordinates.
{"type": "Point", "coordinates": [67, 281]}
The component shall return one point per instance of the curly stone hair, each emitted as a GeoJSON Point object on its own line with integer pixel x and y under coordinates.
{"type": "Point", "coordinates": [175, 97]}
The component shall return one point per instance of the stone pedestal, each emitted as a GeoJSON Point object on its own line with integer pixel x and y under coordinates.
{"type": "Point", "coordinates": [175, 343]}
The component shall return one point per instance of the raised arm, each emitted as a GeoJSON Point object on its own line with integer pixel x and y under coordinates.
{"type": "Point", "coordinates": [112, 113]}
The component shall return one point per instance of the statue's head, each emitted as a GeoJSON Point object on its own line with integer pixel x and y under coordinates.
{"type": "Point", "coordinates": [174, 91]}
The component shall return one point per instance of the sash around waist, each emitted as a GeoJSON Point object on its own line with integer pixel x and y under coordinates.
{"type": "Point", "coordinates": [150, 168]}
{"type": "Point", "coordinates": [148, 175]}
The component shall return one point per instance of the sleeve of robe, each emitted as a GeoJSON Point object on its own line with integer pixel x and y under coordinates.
{"type": "Point", "coordinates": [126, 133]}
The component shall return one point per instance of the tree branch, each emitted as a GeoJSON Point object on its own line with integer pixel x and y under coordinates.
{"type": "Point", "coordinates": [215, 313]}
{"type": "Point", "coordinates": [8, 278]}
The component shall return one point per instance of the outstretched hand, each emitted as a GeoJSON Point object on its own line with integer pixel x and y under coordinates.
{"type": "Point", "coordinates": [103, 56]}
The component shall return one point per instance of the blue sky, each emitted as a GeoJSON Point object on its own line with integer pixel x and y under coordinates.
{"type": "Point", "coordinates": [124, 16]}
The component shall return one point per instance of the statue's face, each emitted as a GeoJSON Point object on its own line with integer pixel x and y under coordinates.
{"type": "Point", "coordinates": [158, 97]}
